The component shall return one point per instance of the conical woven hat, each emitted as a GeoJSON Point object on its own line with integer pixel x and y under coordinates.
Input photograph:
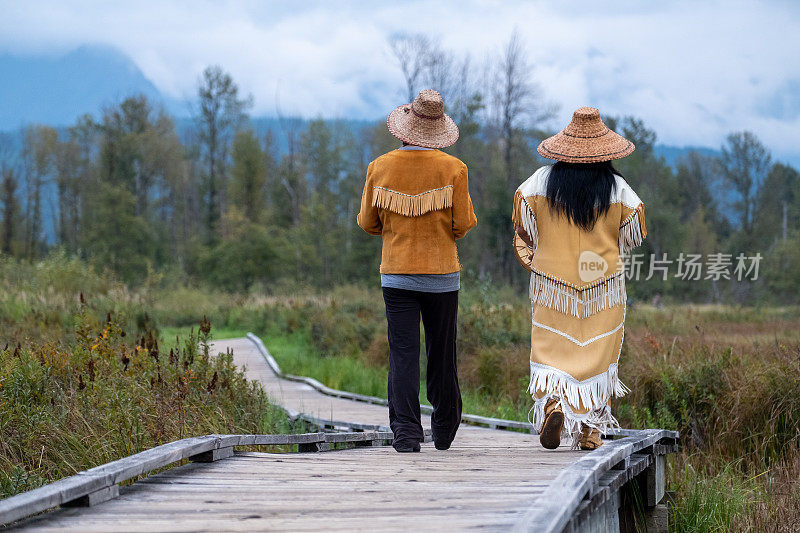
{"type": "Point", "coordinates": [423, 122]}
{"type": "Point", "coordinates": [586, 140]}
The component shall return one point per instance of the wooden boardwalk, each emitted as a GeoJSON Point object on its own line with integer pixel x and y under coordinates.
{"type": "Point", "coordinates": [489, 479]}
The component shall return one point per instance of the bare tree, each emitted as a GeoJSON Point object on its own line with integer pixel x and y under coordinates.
{"type": "Point", "coordinates": [512, 93]}
{"type": "Point", "coordinates": [7, 150]}
{"type": "Point", "coordinates": [8, 197]}
{"type": "Point", "coordinates": [67, 169]}
{"type": "Point", "coordinates": [462, 88]}
{"type": "Point", "coordinates": [411, 53]}
{"type": "Point", "coordinates": [518, 102]}
{"type": "Point", "coordinates": [86, 135]}
{"type": "Point", "coordinates": [38, 152]}
{"type": "Point", "coordinates": [439, 71]}
{"type": "Point", "coordinates": [426, 64]}
{"type": "Point", "coordinates": [516, 108]}
{"type": "Point", "coordinates": [221, 114]}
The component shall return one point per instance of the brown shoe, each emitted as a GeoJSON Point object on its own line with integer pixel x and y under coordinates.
{"type": "Point", "coordinates": [550, 436]}
{"type": "Point", "coordinates": [590, 438]}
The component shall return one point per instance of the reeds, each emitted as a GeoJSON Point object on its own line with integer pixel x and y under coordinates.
{"type": "Point", "coordinates": [101, 394]}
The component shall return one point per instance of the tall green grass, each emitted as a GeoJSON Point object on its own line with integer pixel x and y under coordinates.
{"type": "Point", "coordinates": [297, 355]}
{"type": "Point", "coordinates": [78, 388]}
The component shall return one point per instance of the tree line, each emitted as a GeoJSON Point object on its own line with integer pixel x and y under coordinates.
{"type": "Point", "coordinates": [222, 205]}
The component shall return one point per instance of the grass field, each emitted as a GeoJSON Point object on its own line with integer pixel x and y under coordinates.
{"type": "Point", "coordinates": [725, 377]}
{"type": "Point", "coordinates": [85, 380]}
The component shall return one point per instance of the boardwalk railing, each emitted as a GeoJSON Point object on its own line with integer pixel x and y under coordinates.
{"type": "Point", "coordinates": [101, 483]}
{"type": "Point", "coordinates": [586, 494]}
{"type": "Point", "coordinates": [485, 421]}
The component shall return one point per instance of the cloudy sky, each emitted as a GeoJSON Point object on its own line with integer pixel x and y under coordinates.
{"type": "Point", "coordinates": [692, 70]}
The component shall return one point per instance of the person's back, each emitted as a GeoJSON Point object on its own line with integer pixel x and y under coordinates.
{"type": "Point", "coordinates": [577, 217]}
{"type": "Point", "coordinates": [576, 255]}
{"type": "Point", "coordinates": [417, 199]}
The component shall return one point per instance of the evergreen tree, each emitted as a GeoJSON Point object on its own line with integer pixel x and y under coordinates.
{"type": "Point", "coordinates": [744, 163]}
{"type": "Point", "coordinates": [115, 237]}
{"type": "Point", "coordinates": [777, 205]}
{"type": "Point", "coordinates": [140, 153]}
{"type": "Point", "coordinates": [696, 180]}
{"type": "Point", "coordinates": [248, 176]}
{"type": "Point", "coordinates": [324, 156]}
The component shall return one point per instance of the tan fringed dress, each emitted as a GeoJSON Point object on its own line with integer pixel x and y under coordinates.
{"type": "Point", "coordinates": [577, 292]}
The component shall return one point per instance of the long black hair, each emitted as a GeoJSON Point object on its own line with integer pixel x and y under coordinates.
{"type": "Point", "coordinates": [581, 191]}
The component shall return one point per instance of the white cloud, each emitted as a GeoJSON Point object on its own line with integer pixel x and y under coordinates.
{"type": "Point", "coordinates": [694, 71]}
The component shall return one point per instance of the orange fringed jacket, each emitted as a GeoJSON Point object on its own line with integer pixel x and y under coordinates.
{"type": "Point", "coordinates": [418, 202]}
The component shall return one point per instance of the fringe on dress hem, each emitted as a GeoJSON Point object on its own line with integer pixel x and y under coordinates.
{"type": "Point", "coordinates": [593, 394]}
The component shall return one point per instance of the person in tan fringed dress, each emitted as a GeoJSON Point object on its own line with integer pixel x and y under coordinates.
{"type": "Point", "coordinates": [574, 221]}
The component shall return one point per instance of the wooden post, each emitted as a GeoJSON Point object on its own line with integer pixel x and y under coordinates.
{"type": "Point", "coordinates": [654, 487]}
{"type": "Point", "coordinates": [212, 455]}
{"type": "Point", "coordinates": [98, 496]}
{"type": "Point", "coordinates": [656, 515]}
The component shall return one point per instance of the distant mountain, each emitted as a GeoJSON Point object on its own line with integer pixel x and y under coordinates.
{"type": "Point", "coordinates": [55, 90]}
{"type": "Point", "coordinates": [673, 154]}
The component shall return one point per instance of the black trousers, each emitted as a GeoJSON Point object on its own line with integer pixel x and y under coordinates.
{"type": "Point", "coordinates": [439, 312]}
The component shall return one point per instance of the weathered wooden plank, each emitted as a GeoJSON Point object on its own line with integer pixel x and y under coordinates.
{"type": "Point", "coordinates": [35, 501]}
{"type": "Point", "coordinates": [610, 482]}
{"type": "Point", "coordinates": [100, 482]}
{"type": "Point", "coordinates": [148, 460]}
{"type": "Point", "coordinates": [96, 480]}
{"type": "Point", "coordinates": [360, 495]}
{"type": "Point", "coordinates": [356, 437]}
{"type": "Point", "coordinates": [446, 520]}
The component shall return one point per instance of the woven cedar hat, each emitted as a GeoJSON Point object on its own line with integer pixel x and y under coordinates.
{"type": "Point", "coordinates": [423, 122]}
{"type": "Point", "coordinates": [586, 140]}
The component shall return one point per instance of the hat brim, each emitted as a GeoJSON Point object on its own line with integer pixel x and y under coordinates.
{"type": "Point", "coordinates": [571, 149]}
{"type": "Point", "coordinates": [428, 133]}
